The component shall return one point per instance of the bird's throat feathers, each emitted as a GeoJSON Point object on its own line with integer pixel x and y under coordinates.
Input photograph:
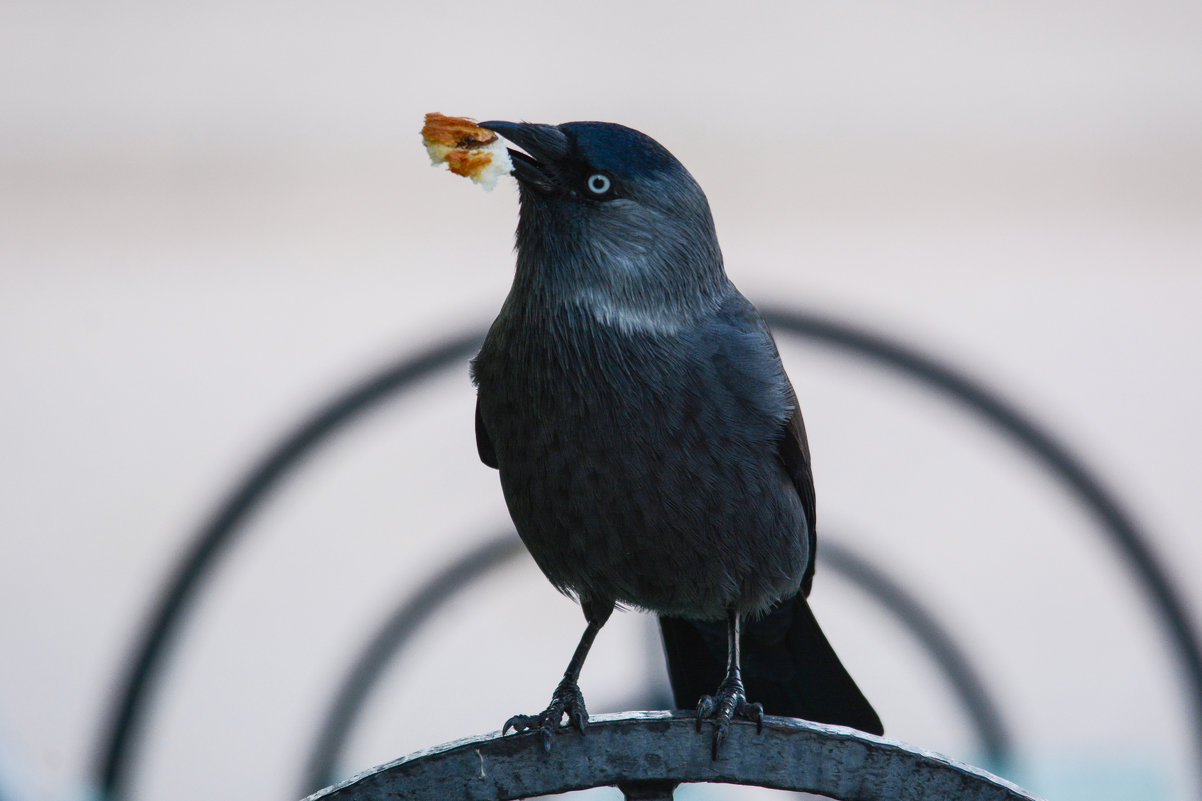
{"type": "Point", "coordinates": [630, 268]}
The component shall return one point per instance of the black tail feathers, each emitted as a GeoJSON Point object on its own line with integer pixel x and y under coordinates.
{"type": "Point", "coordinates": [788, 666]}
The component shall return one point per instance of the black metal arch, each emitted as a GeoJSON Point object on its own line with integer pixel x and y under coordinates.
{"type": "Point", "coordinates": [646, 755]}
{"type": "Point", "coordinates": [416, 609]}
{"type": "Point", "coordinates": [1116, 523]}
{"type": "Point", "coordinates": [124, 718]}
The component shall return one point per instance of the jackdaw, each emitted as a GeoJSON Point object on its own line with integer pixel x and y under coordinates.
{"type": "Point", "coordinates": [650, 446]}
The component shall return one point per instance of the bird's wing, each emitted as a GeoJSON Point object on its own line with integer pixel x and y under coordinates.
{"type": "Point", "coordinates": [795, 453]}
{"type": "Point", "coordinates": [484, 446]}
{"type": "Point", "coordinates": [751, 349]}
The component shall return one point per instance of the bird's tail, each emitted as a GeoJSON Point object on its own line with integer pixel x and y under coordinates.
{"type": "Point", "coordinates": [788, 665]}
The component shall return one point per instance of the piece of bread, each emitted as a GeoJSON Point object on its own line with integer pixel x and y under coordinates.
{"type": "Point", "coordinates": [466, 148]}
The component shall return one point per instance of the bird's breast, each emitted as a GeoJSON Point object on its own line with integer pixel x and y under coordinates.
{"type": "Point", "coordinates": [633, 475]}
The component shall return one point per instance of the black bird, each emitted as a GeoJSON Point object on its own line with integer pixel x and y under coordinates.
{"type": "Point", "coordinates": [650, 446]}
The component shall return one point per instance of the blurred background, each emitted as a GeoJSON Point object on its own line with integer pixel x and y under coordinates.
{"type": "Point", "coordinates": [216, 216]}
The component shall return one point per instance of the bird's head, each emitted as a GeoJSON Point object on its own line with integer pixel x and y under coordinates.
{"type": "Point", "coordinates": [611, 222]}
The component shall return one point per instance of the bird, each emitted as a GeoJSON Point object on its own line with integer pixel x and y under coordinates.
{"type": "Point", "coordinates": [650, 446]}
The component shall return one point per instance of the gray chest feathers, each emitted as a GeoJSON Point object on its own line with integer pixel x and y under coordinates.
{"type": "Point", "coordinates": [643, 468]}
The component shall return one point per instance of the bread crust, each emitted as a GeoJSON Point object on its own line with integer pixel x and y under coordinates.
{"type": "Point", "coordinates": [466, 148]}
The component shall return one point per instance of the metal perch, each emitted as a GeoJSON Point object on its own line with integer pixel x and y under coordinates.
{"type": "Point", "coordinates": [647, 754]}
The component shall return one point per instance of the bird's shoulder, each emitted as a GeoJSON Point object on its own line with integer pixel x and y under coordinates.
{"type": "Point", "coordinates": [745, 358]}
{"type": "Point", "coordinates": [737, 317]}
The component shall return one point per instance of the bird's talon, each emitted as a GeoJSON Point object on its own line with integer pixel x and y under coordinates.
{"type": "Point", "coordinates": [719, 738]}
{"type": "Point", "coordinates": [730, 703]}
{"type": "Point", "coordinates": [705, 708]}
{"type": "Point", "coordinates": [566, 700]}
{"type": "Point", "coordinates": [754, 713]}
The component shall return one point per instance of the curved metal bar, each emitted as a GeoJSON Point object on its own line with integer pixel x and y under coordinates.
{"type": "Point", "coordinates": [661, 749]}
{"type": "Point", "coordinates": [214, 539]}
{"type": "Point", "coordinates": [385, 645]}
{"type": "Point", "coordinates": [124, 717]}
{"type": "Point", "coordinates": [997, 744]}
{"type": "Point", "coordinates": [1122, 533]}
{"type": "Point", "coordinates": [419, 607]}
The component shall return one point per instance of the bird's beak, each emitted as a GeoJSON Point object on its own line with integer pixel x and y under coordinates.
{"type": "Point", "coordinates": [544, 146]}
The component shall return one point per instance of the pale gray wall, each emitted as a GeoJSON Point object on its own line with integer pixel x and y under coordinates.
{"type": "Point", "coordinates": [213, 214]}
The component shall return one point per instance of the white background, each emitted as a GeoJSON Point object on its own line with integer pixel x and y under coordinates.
{"type": "Point", "coordinates": [214, 215]}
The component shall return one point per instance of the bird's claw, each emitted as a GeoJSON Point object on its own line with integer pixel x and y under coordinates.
{"type": "Point", "coordinates": [566, 700]}
{"type": "Point", "coordinates": [730, 703]}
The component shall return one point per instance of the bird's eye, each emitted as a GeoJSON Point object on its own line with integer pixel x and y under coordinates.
{"type": "Point", "coordinates": [598, 184]}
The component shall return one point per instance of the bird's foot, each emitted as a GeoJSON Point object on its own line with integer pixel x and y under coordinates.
{"type": "Point", "coordinates": [566, 700]}
{"type": "Point", "coordinates": [730, 703]}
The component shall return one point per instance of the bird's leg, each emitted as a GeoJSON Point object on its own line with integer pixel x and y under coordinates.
{"type": "Point", "coordinates": [731, 699]}
{"type": "Point", "coordinates": [567, 698]}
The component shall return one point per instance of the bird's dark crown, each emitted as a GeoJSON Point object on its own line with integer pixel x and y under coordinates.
{"type": "Point", "coordinates": [619, 150]}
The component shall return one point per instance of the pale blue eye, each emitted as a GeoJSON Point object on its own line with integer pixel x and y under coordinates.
{"type": "Point", "coordinates": [598, 184]}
